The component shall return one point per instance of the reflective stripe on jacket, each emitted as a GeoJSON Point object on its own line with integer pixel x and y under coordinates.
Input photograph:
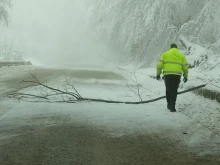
{"type": "Point", "coordinates": [173, 62]}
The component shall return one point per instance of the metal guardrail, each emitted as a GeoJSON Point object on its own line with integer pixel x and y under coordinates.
{"type": "Point", "coordinates": [17, 63]}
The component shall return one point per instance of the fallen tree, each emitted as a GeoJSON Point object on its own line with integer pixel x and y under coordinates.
{"type": "Point", "coordinates": [74, 97]}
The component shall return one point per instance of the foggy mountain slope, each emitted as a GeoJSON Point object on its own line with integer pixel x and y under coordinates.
{"type": "Point", "coordinates": [145, 28]}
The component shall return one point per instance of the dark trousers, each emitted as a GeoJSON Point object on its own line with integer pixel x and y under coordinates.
{"type": "Point", "coordinates": [172, 84]}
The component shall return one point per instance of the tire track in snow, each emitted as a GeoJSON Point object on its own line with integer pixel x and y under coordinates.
{"type": "Point", "coordinates": [7, 114]}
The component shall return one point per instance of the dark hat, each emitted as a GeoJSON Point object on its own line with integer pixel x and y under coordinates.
{"type": "Point", "coordinates": [173, 46]}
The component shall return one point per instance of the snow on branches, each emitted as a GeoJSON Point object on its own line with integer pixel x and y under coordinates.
{"type": "Point", "coordinates": [198, 56]}
{"type": "Point", "coordinates": [151, 25]}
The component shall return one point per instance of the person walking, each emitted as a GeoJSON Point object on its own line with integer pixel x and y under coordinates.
{"type": "Point", "coordinates": [173, 65]}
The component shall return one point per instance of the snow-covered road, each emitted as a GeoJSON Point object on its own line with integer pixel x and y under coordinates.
{"type": "Point", "coordinates": [98, 133]}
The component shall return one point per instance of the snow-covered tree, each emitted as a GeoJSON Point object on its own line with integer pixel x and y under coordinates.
{"type": "Point", "coordinates": [145, 28]}
{"type": "Point", "coordinates": [4, 15]}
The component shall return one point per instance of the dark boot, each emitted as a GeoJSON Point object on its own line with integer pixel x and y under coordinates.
{"type": "Point", "coordinates": [168, 106]}
{"type": "Point", "coordinates": [172, 108]}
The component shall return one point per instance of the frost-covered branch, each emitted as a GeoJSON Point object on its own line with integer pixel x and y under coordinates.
{"type": "Point", "coordinates": [195, 54]}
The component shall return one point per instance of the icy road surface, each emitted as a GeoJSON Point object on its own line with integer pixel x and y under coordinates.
{"type": "Point", "coordinates": [95, 133]}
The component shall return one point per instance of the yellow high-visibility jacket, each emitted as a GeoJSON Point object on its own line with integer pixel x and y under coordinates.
{"type": "Point", "coordinates": [173, 62]}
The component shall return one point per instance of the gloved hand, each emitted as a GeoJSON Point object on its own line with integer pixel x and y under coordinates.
{"type": "Point", "coordinates": [185, 80]}
{"type": "Point", "coordinates": [158, 77]}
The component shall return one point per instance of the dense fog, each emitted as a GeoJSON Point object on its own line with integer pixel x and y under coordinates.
{"type": "Point", "coordinates": [54, 33]}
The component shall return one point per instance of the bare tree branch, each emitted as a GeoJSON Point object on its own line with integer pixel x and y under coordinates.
{"type": "Point", "coordinates": [214, 66]}
{"type": "Point", "coordinates": [73, 87]}
{"type": "Point", "coordinates": [215, 85]}
{"type": "Point", "coordinates": [51, 88]}
{"type": "Point", "coordinates": [73, 97]}
{"type": "Point", "coordinates": [25, 94]}
{"type": "Point", "coordinates": [134, 88]}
